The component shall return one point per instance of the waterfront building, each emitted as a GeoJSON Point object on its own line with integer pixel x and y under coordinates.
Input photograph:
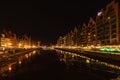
{"type": "Point", "coordinates": [107, 23]}
{"type": "Point", "coordinates": [103, 30]}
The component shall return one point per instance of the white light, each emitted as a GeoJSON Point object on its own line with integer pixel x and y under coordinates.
{"type": "Point", "coordinates": [99, 13]}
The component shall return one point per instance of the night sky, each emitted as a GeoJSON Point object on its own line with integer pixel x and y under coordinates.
{"type": "Point", "coordinates": [46, 21]}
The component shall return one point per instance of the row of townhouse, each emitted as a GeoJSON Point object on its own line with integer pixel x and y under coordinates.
{"type": "Point", "coordinates": [9, 40]}
{"type": "Point", "coordinates": [103, 30]}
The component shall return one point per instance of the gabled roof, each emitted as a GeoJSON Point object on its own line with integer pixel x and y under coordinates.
{"type": "Point", "coordinates": [91, 21]}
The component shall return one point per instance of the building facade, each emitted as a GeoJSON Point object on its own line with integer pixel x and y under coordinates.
{"type": "Point", "coordinates": [101, 31]}
{"type": "Point", "coordinates": [107, 23]}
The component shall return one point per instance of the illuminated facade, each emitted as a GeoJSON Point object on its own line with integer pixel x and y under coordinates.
{"type": "Point", "coordinates": [84, 35]}
{"type": "Point", "coordinates": [101, 31]}
{"type": "Point", "coordinates": [88, 34]}
{"type": "Point", "coordinates": [105, 29]}
{"type": "Point", "coordinates": [75, 38]}
{"type": "Point", "coordinates": [107, 24]}
{"type": "Point", "coordinates": [91, 34]}
{"type": "Point", "coordinates": [9, 40]}
{"type": "Point", "coordinates": [60, 41]}
{"type": "Point", "coordinates": [70, 39]}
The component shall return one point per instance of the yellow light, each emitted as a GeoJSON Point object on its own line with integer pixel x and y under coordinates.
{"type": "Point", "coordinates": [108, 17]}
{"type": "Point", "coordinates": [3, 48]}
{"type": "Point", "coordinates": [25, 46]}
{"type": "Point", "coordinates": [3, 45]}
{"type": "Point", "coordinates": [3, 35]}
{"type": "Point", "coordinates": [34, 46]}
{"type": "Point", "coordinates": [20, 61]}
{"type": "Point", "coordinates": [34, 52]}
{"type": "Point", "coordinates": [30, 54]}
{"type": "Point", "coordinates": [9, 44]}
{"type": "Point", "coordinates": [26, 55]}
{"type": "Point", "coordinates": [9, 68]}
{"type": "Point", "coordinates": [87, 61]}
{"type": "Point", "coordinates": [20, 44]}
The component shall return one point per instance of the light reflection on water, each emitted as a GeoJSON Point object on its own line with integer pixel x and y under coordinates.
{"type": "Point", "coordinates": [9, 68]}
{"type": "Point", "coordinates": [67, 57]}
{"type": "Point", "coordinates": [93, 64]}
{"type": "Point", "coordinates": [88, 60]}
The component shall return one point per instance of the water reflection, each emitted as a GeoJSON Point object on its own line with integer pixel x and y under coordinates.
{"type": "Point", "coordinates": [92, 64]}
{"type": "Point", "coordinates": [74, 56]}
{"type": "Point", "coordinates": [26, 55]}
{"type": "Point", "coordinates": [11, 67]}
{"type": "Point", "coordinates": [73, 63]}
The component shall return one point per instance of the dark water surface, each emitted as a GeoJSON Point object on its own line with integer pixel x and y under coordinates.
{"type": "Point", "coordinates": [58, 65]}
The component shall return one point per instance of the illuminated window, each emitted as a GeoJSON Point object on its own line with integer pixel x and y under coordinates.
{"type": "Point", "coordinates": [108, 17]}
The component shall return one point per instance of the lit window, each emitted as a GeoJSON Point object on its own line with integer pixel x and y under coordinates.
{"type": "Point", "coordinates": [108, 17]}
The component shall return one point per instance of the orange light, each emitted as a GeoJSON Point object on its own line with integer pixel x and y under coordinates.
{"type": "Point", "coordinates": [20, 61]}
{"type": "Point", "coordinates": [9, 44]}
{"type": "Point", "coordinates": [26, 55]}
{"type": "Point", "coordinates": [9, 68]}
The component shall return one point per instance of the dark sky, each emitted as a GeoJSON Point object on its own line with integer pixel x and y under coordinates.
{"type": "Point", "coordinates": [47, 20]}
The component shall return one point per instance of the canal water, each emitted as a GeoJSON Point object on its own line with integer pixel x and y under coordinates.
{"type": "Point", "coordinates": [58, 65]}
